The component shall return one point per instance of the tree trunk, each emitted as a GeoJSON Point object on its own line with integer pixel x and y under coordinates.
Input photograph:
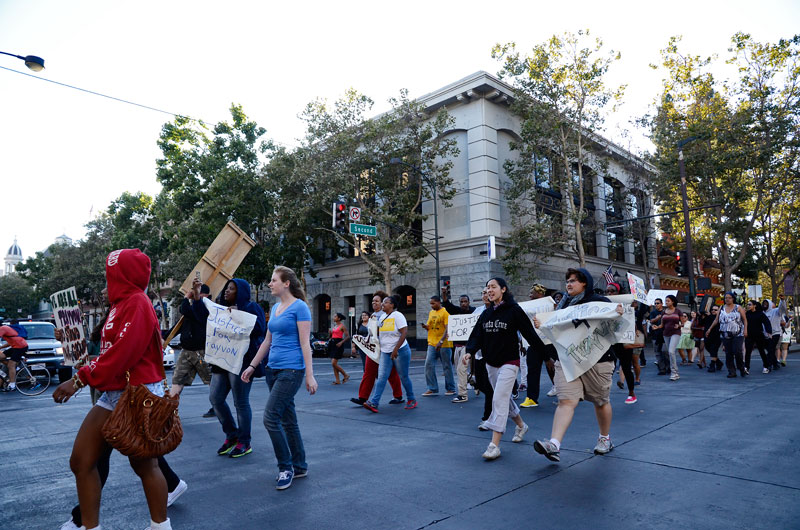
{"type": "Point", "coordinates": [387, 272]}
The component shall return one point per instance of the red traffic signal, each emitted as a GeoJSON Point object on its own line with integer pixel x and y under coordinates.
{"type": "Point", "coordinates": [339, 216]}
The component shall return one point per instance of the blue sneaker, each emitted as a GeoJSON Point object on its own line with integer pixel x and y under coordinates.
{"type": "Point", "coordinates": [284, 480]}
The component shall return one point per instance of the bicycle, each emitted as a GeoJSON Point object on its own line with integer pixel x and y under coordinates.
{"type": "Point", "coordinates": [32, 380]}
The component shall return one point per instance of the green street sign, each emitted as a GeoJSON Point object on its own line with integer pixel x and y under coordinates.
{"type": "Point", "coordinates": [363, 230]}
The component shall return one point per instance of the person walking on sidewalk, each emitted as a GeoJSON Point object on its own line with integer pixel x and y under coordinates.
{"type": "Point", "coordinates": [339, 336]}
{"type": "Point", "coordinates": [698, 334]}
{"type": "Point", "coordinates": [713, 340]}
{"type": "Point", "coordinates": [594, 385]}
{"type": "Point", "coordinates": [392, 329]}
{"type": "Point", "coordinates": [191, 359]}
{"type": "Point", "coordinates": [459, 347]}
{"type": "Point", "coordinates": [496, 335]}
{"type": "Point", "coordinates": [287, 350]}
{"type": "Point", "coordinates": [775, 315]}
{"type": "Point", "coordinates": [371, 367]}
{"type": "Point", "coordinates": [235, 294]}
{"type": "Point", "coordinates": [439, 347]}
{"type": "Point", "coordinates": [732, 323]}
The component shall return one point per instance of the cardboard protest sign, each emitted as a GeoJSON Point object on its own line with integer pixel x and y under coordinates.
{"type": "Point", "coordinates": [227, 336]}
{"type": "Point", "coordinates": [68, 319]}
{"type": "Point", "coordinates": [652, 294]}
{"type": "Point", "coordinates": [221, 260]}
{"type": "Point", "coordinates": [637, 287]}
{"type": "Point", "coordinates": [583, 333]}
{"type": "Point", "coordinates": [459, 327]}
{"type": "Point", "coordinates": [370, 344]}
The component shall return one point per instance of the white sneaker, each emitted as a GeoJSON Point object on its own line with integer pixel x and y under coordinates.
{"type": "Point", "coordinates": [491, 452]}
{"type": "Point", "coordinates": [519, 432]}
{"type": "Point", "coordinates": [70, 525]}
{"type": "Point", "coordinates": [161, 526]}
{"type": "Point", "coordinates": [765, 371]}
{"type": "Point", "coordinates": [674, 377]}
{"type": "Point", "coordinates": [177, 492]}
{"type": "Point", "coordinates": [482, 426]}
{"type": "Point", "coordinates": [552, 392]}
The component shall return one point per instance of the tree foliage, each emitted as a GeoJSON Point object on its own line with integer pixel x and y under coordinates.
{"type": "Point", "coordinates": [561, 99]}
{"type": "Point", "coordinates": [17, 298]}
{"type": "Point", "coordinates": [745, 148]}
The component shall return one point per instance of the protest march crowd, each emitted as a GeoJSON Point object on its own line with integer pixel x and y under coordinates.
{"type": "Point", "coordinates": [496, 348]}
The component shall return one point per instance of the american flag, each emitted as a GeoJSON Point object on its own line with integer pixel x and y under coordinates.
{"type": "Point", "coordinates": [607, 275]}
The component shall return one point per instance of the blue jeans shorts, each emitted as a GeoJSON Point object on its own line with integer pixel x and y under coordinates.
{"type": "Point", "coordinates": [108, 399]}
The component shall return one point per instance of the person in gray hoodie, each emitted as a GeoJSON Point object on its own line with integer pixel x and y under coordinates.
{"type": "Point", "coordinates": [774, 314]}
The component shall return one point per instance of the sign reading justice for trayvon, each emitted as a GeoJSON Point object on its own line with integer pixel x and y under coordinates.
{"type": "Point", "coordinates": [67, 315]}
{"type": "Point", "coordinates": [227, 336]}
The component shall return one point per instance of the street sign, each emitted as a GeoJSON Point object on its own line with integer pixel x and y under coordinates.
{"type": "Point", "coordinates": [355, 214]}
{"type": "Point", "coordinates": [351, 311]}
{"type": "Point", "coordinates": [364, 230]}
{"type": "Point", "coordinates": [491, 249]}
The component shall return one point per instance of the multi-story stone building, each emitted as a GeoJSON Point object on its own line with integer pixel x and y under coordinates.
{"type": "Point", "coordinates": [484, 128]}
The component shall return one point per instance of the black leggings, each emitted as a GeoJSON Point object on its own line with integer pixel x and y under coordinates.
{"type": "Point", "coordinates": [103, 468]}
{"type": "Point", "coordinates": [482, 383]}
{"type": "Point", "coordinates": [762, 344]}
{"type": "Point", "coordinates": [625, 357]}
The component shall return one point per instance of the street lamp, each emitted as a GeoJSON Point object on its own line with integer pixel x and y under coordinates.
{"type": "Point", "coordinates": [31, 61]}
{"type": "Point", "coordinates": [432, 184]}
{"type": "Point", "coordinates": [687, 228]}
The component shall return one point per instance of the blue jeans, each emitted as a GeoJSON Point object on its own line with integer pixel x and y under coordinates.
{"type": "Point", "coordinates": [430, 369]}
{"type": "Point", "coordinates": [221, 385]}
{"type": "Point", "coordinates": [280, 418]}
{"type": "Point", "coordinates": [401, 364]}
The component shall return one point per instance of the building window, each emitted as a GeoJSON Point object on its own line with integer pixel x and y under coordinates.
{"type": "Point", "coordinates": [616, 244]}
{"type": "Point", "coordinates": [543, 172]}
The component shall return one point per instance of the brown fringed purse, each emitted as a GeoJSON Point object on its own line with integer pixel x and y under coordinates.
{"type": "Point", "coordinates": [144, 425]}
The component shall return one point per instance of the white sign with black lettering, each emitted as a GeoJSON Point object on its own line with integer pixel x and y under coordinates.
{"type": "Point", "coordinates": [227, 336]}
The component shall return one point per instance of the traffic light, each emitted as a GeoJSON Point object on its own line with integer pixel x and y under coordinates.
{"type": "Point", "coordinates": [682, 264]}
{"type": "Point", "coordinates": [445, 282]}
{"type": "Point", "coordinates": [339, 216]}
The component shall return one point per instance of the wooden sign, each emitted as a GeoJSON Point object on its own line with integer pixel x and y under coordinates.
{"type": "Point", "coordinates": [221, 260]}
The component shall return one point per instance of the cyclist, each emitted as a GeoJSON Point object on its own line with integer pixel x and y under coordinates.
{"type": "Point", "coordinates": [12, 352]}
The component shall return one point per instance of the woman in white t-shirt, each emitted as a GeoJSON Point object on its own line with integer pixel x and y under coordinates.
{"type": "Point", "coordinates": [392, 328]}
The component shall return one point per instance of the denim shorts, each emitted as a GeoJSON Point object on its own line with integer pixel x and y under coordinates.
{"type": "Point", "coordinates": [108, 399]}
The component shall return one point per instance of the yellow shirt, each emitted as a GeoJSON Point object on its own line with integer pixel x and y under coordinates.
{"type": "Point", "coordinates": [437, 327]}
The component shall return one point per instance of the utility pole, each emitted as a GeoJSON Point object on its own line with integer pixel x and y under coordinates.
{"type": "Point", "coordinates": [687, 227]}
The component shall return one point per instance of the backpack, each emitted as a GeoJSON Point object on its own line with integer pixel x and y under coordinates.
{"type": "Point", "coordinates": [21, 331]}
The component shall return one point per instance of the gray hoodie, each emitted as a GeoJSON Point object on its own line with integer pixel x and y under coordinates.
{"type": "Point", "coordinates": [774, 315]}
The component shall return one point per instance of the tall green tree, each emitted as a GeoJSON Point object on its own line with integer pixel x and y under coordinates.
{"type": "Point", "coordinates": [742, 129]}
{"type": "Point", "coordinates": [17, 297]}
{"type": "Point", "coordinates": [347, 156]}
{"type": "Point", "coordinates": [562, 100]}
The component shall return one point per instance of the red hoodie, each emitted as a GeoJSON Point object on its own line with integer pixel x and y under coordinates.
{"type": "Point", "coordinates": [131, 340]}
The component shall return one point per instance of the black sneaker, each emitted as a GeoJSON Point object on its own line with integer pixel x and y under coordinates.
{"type": "Point", "coordinates": [776, 367]}
{"type": "Point", "coordinates": [300, 473]}
{"type": "Point", "coordinates": [358, 401]}
{"type": "Point", "coordinates": [712, 368]}
{"type": "Point", "coordinates": [394, 401]}
{"type": "Point", "coordinates": [227, 447]}
{"type": "Point", "coordinates": [210, 413]}
{"type": "Point", "coordinates": [240, 450]}
{"type": "Point", "coordinates": [720, 364]}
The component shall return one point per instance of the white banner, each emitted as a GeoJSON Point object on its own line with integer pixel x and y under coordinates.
{"type": "Point", "coordinates": [227, 336]}
{"type": "Point", "coordinates": [534, 307]}
{"type": "Point", "coordinates": [583, 333]}
{"type": "Point", "coordinates": [370, 344]}
{"type": "Point", "coordinates": [67, 315]}
{"type": "Point", "coordinates": [638, 290]}
{"type": "Point", "coordinates": [652, 294]}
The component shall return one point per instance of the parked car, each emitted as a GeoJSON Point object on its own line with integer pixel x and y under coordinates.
{"type": "Point", "coordinates": [43, 348]}
{"type": "Point", "coordinates": [169, 357]}
{"type": "Point", "coordinates": [319, 344]}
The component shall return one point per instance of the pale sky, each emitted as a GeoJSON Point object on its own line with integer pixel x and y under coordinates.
{"type": "Point", "coordinates": [64, 153]}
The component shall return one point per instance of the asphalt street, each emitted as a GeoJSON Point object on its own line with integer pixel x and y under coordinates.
{"type": "Point", "coordinates": [702, 452]}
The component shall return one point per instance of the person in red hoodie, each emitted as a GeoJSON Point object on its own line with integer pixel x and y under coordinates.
{"type": "Point", "coordinates": [130, 347]}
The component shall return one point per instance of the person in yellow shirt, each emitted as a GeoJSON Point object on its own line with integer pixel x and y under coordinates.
{"type": "Point", "coordinates": [438, 347]}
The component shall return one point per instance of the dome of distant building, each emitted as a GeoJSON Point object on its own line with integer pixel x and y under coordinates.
{"type": "Point", "coordinates": [13, 258]}
{"type": "Point", "coordinates": [63, 239]}
{"type": "Point", "coordinates": [14, 250]}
